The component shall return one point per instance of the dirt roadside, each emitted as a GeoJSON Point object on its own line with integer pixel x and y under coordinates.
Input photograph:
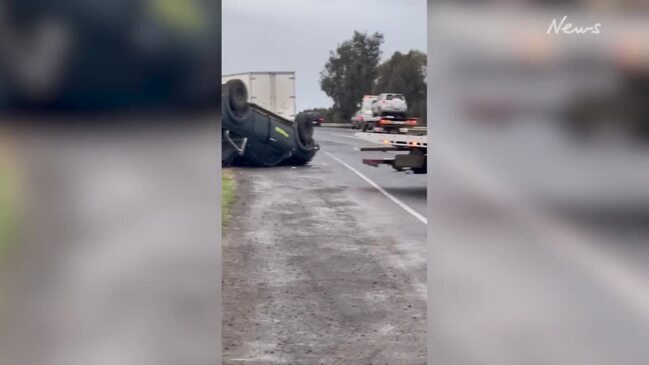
{"type": "Point", "coordinates": [307, 282]}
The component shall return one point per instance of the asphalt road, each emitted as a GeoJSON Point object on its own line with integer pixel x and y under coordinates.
{"type": "Point", "coordinates": [343, 144]}
{"type": "Point", "coordinates": [538, 247]}
{"type": "Point", "coordinates": [322, 267]}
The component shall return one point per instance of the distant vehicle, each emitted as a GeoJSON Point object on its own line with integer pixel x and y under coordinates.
{"type": "Point", "coordinates": [313, 117]}
{"type": "Point", "coordinates": [390, 104]}
{"type": "Point", "coordinates": [392, 115]}
{"type": "Point", "coordinates": [364, 112]}
{"type": "Point", "coordinates": [274, 91]}
{"type": "Point", "coordinates": [359, 117]}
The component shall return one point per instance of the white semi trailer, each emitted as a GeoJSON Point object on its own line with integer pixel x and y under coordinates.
{"type": "Point", "coordinates": [274, 91]}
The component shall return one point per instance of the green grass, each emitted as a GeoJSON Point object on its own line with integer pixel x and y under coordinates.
{"type": "Point", "coordinates": [228, 194]}
{"type": "Point", "coordinates": [8, 220]}
{"type": "Point", "coordinates": [7, 208]}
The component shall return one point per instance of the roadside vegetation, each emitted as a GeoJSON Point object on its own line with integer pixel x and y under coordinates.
{"type": "Point", "coordinates": [8, 205]}
{"type": "Point", "coordinates": [228, 190]}
{"type": "Point", "coordinates": [7, 208]}
{"type": "Point", "coordinates": [355, 69]}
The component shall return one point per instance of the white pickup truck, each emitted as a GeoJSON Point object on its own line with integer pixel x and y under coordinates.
{"type": "Point", "coordinates": [390, 104]}
{"type": "Point", "coordinates": [383, 113]}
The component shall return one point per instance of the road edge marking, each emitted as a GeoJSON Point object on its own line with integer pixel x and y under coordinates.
{"type": "Point", "coordinates": [376, 186]}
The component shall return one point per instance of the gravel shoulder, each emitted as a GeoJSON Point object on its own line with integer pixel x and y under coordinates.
{"type": "Point", "coordinates": [308, 278]}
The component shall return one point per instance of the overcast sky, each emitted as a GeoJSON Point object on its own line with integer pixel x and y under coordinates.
{"type": "Point", "coordinates": [297, 35]}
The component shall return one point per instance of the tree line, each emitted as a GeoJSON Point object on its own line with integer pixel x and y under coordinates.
{"type": "Point", "coordinates": [354, 69]}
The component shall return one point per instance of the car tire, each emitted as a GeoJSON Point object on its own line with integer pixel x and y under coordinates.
{"type": "Point", "coordinates": [237, 95]}
{"type": "Point", "coordinates": [305, 130]}
{"type": "Point", "coordinates": [234, 101]}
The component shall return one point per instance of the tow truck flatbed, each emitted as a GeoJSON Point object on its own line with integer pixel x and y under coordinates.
{"type": "Point", "coordinates": [394, 141]}
{"type": "Point", "coordinates": [416, 144]}
{"type": "Point", "coordinates": [389, 123]}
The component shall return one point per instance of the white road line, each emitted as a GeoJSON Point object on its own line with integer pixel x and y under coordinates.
{"type": "Point", "coordinates": [565, 240]}
{"type": "Point", "coordinates": [396, 200]}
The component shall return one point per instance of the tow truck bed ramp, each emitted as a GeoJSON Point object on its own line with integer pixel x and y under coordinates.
{"type": "Point", "coordinates": [414, 160]}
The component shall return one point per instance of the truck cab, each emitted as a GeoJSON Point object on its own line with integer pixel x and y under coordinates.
{"type": "Point", "coordinates": [359, 120]}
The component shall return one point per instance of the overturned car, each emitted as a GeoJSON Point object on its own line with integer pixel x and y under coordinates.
{"type": "Point", "coordinates": [252, 135]}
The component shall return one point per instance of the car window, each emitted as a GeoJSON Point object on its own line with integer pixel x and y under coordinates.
{"type": "Point", "coordinates": [398, 96]}
{"type": "Point", "coordinates": [389, 97]}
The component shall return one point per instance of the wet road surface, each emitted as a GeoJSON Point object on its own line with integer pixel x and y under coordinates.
{"type": "Point", "coordinates": [321, 267]}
